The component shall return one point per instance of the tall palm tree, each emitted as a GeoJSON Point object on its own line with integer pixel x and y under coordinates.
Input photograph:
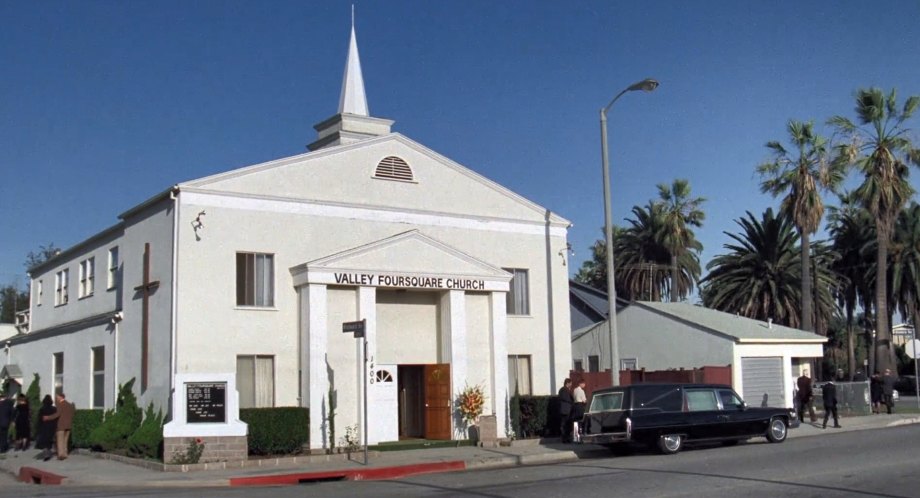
{"type": "Point", "coordinates": [852, 231]}
{"type": "Point", "coordinates": [800, 175]}
{"type": "Point", "coordinates": [759, 276]}
{"type": "Point", "coordinates": [905, 263]}
{"type": "Point", "coordinates": [880, 148]}
{"type": "Point", "coordinates": [680, 211]}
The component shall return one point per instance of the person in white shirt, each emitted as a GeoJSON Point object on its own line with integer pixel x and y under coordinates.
{"type": "Point", "coordinates": [578, 410]}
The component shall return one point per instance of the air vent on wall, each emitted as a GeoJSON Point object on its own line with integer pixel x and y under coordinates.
{"type": "Point", "coordinates": [393, 168]}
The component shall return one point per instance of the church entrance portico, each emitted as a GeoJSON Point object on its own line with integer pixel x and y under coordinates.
{"type": "Point", "coordinates": [424, 303]}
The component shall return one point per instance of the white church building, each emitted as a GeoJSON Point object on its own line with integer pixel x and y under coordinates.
{"type": "Point", "coordinates": [251, 273]}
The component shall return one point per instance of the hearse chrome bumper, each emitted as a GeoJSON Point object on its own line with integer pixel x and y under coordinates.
{"type": "Point", "coordinates": [609, 437]}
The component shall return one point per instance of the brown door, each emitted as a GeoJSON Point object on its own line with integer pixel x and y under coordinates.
{"type": "Point", "coordinates": [437, 401]}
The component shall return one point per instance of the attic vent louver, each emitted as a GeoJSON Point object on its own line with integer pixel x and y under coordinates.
{"type": "Point", "coordinates": [394, 168]}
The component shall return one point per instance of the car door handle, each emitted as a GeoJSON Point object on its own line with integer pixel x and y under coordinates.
{"type": "Point", "coordinates": [723, 417]}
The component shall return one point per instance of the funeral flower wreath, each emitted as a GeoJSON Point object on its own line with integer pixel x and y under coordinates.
{"type": "Point", "coordinates": [470, 403]}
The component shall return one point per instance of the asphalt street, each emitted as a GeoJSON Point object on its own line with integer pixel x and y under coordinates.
{"type": "Point", "coordinates": [856, 464]}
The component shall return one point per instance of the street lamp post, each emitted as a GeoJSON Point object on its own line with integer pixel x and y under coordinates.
{"type": "Point", "coordinates": [646, 85]}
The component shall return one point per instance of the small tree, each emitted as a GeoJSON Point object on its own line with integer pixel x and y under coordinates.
{"type": "Point", "coordinates": [148, 438]}
{"type": "Point", "coordinates": [34, 395]}
{"type": "Point", "coordinates": [118, 426]}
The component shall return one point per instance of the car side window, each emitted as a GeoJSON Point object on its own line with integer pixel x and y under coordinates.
{"type": "Point", "coordinates": [701, 400]}
{"type": "Point", "coordinates": [730, 401]}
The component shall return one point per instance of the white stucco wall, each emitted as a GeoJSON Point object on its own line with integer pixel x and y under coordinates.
{"type": "Point", "coordinates": [786, 351]}
{"type": "Point", "coordinates": [408, 330]}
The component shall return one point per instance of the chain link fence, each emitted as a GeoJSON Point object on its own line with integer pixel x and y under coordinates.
{"type": "Point", "coordinates": [852, 398]}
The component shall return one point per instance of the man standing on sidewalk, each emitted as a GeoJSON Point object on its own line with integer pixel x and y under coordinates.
{"type": "Point", "coordinates": [565, 410]}
{"type": "Point", "coordinates": [804, 397]}
{"type": "Point", "coordinates": [829, 393]}
{"type": "Point", "coordinates": [64, 418]}
{"type": "Point", "coordinates": [888, 382]}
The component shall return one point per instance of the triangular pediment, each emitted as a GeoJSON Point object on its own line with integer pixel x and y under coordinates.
{"type": "Point", "coordinates": [409, 255]}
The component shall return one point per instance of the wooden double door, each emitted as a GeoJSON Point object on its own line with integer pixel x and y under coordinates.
{"type": "Point", "coordinates": [425, 401]}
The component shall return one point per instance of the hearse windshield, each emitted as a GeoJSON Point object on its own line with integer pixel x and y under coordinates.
{"type": "Point", "coordinates": [607, 401]}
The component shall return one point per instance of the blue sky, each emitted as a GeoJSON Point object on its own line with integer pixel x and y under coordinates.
{"type": "Point", "coordinates": [105, 103]}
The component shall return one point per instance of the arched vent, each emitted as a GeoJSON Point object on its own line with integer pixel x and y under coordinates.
{"type": "Point", "coordinates": [393, 168]}
{"type": "Point", "coordinates": [384, 376]}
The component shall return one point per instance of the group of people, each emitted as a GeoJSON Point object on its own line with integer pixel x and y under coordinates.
{"type": "Point", "coordinates": [54, 424]}
{"type": "Point", "coordinates": [572, 403]}
{"type": "Point", "coordinates": [804, 398]}
{"type": "Point", "coordinates": [881, 391]}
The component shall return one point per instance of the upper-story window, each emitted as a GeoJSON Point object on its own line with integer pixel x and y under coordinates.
{"type": "Point", "coordinates": [87, 277]}
{"type": "Point", "coordinates": [39, 292]}
{"type": "Point", "coordinates": [60, 287]}
{"type": "Point", "coordinates": [112, 280]}
{"type": "Point", "coordinates": [518, 298]}
{"type": "Point", "coordinates": [393, 168]}
{"type": "Point", "coordinates": [255, 279]}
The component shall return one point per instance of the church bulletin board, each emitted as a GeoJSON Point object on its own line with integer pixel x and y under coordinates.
{"type": "Point", "coordinates": [206, 402]}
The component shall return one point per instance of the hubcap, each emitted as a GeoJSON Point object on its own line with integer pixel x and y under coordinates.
{"type": "Point", "coordinates": [779, 429]}
{"type": "Point", "coordinates": [671, 442]}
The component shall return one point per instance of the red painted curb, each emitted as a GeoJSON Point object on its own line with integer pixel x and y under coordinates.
{"type": "Point", "coordinates": [366, 474]}
{"type": "Point", "coordinates": [32, 475]}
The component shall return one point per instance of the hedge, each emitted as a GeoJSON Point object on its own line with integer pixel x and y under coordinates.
{"type": "Point", "coordinates": [117, 427]}
{"type": "Point", "coordinates": [537, 416]}
{"type": "Point", "coordinates": [84, 422]}
{"type": "Point", "coordinates": [277, 431]}
{"type": "Point", "coordinates": [147, 440]}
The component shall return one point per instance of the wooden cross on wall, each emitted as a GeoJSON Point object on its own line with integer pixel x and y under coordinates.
{"type": "Point", "coordinates": [146, 289]}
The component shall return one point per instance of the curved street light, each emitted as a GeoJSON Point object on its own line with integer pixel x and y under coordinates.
{"type": "Point", "coordinates": [646, 85]}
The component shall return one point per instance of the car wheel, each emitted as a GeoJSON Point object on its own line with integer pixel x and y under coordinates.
{"type": "Point", "coordinates": [670, 443]}
{"type": "Point", "coordinates": [777, 431]}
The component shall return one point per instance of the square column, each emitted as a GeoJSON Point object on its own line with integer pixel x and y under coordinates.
{"type": "Point", "coordinates": [316, 384]}
{"type": "Point", "coordinates": [500, 396]}
{"type": "Point", "coordinates": [367, 310]}
{"type": "Point", "coordinates": [453, 326]}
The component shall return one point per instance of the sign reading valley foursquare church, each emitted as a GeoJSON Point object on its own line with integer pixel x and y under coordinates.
{"type": "Point", "coordinates": [416, 282]}
{"type": "Point", "coordinates": [206, 402]}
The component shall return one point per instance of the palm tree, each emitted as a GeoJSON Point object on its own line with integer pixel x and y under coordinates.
{"type": "Point", "coordinates": [905, 263]}
{"type": "Point", "coordinates": [853, 233]}
{"type": "Point", "coordinates": [800, 175]}
{"type": "Point", "coordinates": [880, 148]}
{"type": "Point", "coordinates": [759, 277]}
{"type": "Point", "coordinates": [679, 212]}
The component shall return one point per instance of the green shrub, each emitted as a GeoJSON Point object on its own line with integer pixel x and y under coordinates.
{"type": "Point", "coordinates": [535, 419]}
{"type": "Point", "coordinates": [147, 440]}
{"type": "Point", "coordinates": [84, 422]}
{"type": "Point", "coordinates": [515, 408]}
{"type": "Point", "coordinates": [34, 394]}
{"type": "Point", "coordinates": [117, 427]}
{"type": "Point", "coordinates": [277, 431]}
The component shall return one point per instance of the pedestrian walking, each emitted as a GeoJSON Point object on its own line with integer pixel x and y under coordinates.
{"type": "Point", "coordinates": [805, 397]}
{"type": "Point", "coordinates": [888, 382]}
{"type": "Point", "coordinates": [829, 393]}
{"type": "Point", "coordinates": [6, 418]}
{"type": "Point", "coordinates": [565, 410]}
{"type": "Point", "coordinates": [64, 417]}
{"type": "Point", "coordinates": [875, 391]}
{"type": "Point", "coordinates": [23, 422]}
{"type": "Point", "coordinates": [44, 440]}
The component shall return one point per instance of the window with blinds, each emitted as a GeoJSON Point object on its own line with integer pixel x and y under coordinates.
{"type": "Point", "coordinates": [518, 297]}
{"type": "Point", "coordinates": [394, 168]}
{"type": "Point", "coordinates": [255, 280]}
{"type": "Point", "coordinates": [519, 374]}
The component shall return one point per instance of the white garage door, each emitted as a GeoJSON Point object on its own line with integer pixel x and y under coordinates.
{"type": "Point", "coordinates": [763, 381]}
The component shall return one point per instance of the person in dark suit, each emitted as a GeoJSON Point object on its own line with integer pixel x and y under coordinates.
{"type": "Point", "coordinates": [565, 410]}
{"type": "Point", "coordinates": [44, 440]}
{"type": "Point", "coordinates": [23, 423]}
{"type": "Point", "coordinates": [829, 393]}
{"type": "Point", "coordinates": [888, 382]}
{"type": "Point", "coordinates": [804, 397]}
{"type": "Point", "coordinates": [6, 418]}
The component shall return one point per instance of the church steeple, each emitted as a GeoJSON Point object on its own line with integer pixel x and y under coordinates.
{"type": "Point", "coordinates": [353, 100]}
{"type": "Point", "coordinates": [353, 121]}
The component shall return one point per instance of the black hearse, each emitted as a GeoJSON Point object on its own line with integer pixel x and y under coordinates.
{"type": "Point", "coordinates": [671, 415]}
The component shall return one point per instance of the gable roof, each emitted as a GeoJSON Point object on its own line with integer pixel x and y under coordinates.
{"type": "Point", "coordinates": [588, 306]}
{"type": "Point", "coordinates": [739, 328]}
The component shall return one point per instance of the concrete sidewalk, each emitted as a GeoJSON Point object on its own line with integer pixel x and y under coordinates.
{"type": "Point", "coordinates": [87, 470]}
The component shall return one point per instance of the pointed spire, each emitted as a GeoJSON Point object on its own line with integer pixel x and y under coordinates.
{"type": "Point", "coordinates": [352, 100]}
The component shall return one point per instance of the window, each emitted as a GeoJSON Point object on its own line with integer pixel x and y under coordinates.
{"type": "Point", "coordinates": [629, 364]}
{"type": "Point", "coordinates": [579, 366]}
{"type": "Point", "coordinates": [113, 268]}
{"type": "Point", "coordinates": [58, 373]}
{"type": "Point", "coordinates": [255, 279]}
{"type": "Point", "coordinates": [255, 381]}
{"type": "Point", "coordinates": [607, 401]}
{"type": "Point", "coordinates": [518, 299]}
{"type": "Point", "coordinates": [98, 394]}
{"type": "Point", "coordinates": [729, 400]}
{"type": "Point", "coordinates": [519, 374]}
{"type": "Point", "coordinates": [60, 287]}
{"type": "Point", "coordinates": [701, 400]}
{"type": "Point", "coordinates": [39, 291]}
{"type": "Point", "coordinates": [87, 269]}
{"type": "Point", "coordinates": [594, 363]}
{"type": "Point", "coordinates": [665, 398]}
{"type": "Point", "coordinates": [393, 168]}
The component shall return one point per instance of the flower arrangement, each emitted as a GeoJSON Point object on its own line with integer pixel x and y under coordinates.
{"type": "Point", "coordinates": [470, 403]}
